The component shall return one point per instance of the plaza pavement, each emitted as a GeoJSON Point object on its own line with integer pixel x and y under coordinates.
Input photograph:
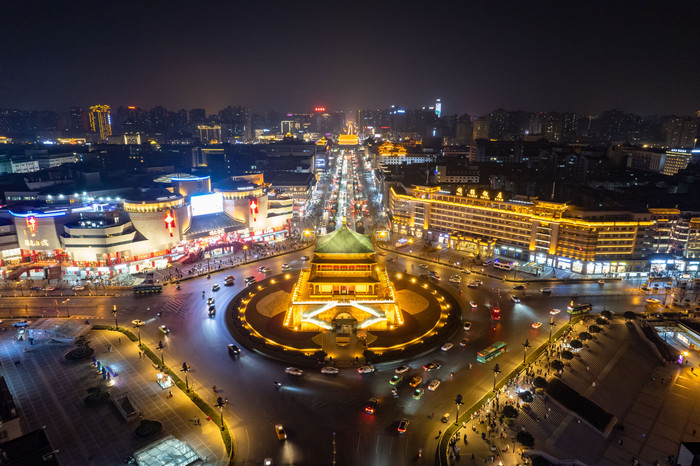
{"type": "Point", "coordinates": [50, 391]}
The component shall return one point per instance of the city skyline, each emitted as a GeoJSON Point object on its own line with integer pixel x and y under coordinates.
{"type": "Point", "coordinates": [476, 59]}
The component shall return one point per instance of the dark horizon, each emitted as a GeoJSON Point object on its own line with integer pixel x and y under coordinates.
{"type": "Point", "coordinates": [586, 58]}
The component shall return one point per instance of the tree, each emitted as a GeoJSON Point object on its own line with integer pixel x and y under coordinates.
{"type": "Point", "coordinates": [527, 395]}
{"type": "Point", "coordinates": [557, 365]}
{"type": "Point", "coordinates": [629, 315]}
{"type": "Point", "coordinates": [320, 355]}
{"type": "Point", "coordinates": [540, 382]}
{"type": "Point", "coordinates": [601, 321]}
{"type": "Point", "coordinates": [607, 314]}
{"type": "Point", "coordinates": [526, 439]}
{"type": "Point", "coordinates": [369, 355]}
{"type": "Point", "coordinates": [585, 336]}
{"type": "Point", "coordinates": [509, 411]}
{"type": "Point", "coordinates": [576, 344]}
{"type": "Point", "coordinates": [567, 355]}
{"type": "Point", "coordinates": [594, 329]}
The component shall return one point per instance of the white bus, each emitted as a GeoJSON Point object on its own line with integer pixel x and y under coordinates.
{"type": "Point", "coordinates": [503, 265]}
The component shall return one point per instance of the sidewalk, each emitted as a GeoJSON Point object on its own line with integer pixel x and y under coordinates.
{"type": "Point", "coordinates": [50, 392]}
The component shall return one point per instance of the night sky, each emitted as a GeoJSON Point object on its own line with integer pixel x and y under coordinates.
{"type": "Point", "coordinates": [583, 56]}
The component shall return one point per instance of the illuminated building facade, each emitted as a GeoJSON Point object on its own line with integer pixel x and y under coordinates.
{"type": "Point", "coordinates": [344, 287]}
{"type": "Point", "coordinates": [100, 121]}
{"type": "Point", "coordinates": [489, 223]}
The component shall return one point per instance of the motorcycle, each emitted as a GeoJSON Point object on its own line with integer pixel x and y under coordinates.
{"type": "Point", "coordinates": [277, 385]}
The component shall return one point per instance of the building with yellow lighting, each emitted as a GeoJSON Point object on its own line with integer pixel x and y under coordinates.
{"type": "Point", "coordinates": [398, 154]}
{"type": "Point", "coordinates": [344, 289]}
{"type": "Point", "coordinates": [491, 223]}
{"type": "Point", "coordinates": [100, 121]}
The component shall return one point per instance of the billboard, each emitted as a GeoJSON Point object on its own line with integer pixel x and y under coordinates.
{"type": "Point", "coordinates": [204, 204]}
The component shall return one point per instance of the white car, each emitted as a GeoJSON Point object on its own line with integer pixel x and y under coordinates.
{"type": "Point", "coordinates": [554, 312]}
{"type": "Point", "coordinates": [78, 288]}
{"type": "Point", "coordinates": [455, 279]}
{"type": "Point", "coordinates": [432, 386]}
{"type": "Point", "coordinates": [467, 326]}
{"type": "Point", "coordinates": [210, 301]}
{"type": "Point", "coordinates": [515, 299]}
{"type": "Point", "coordinates": [536, 324]}
{"type": "Point", "coordinates": [294, 371]}
{"type": "Point", "coordinates": [447, 346]}
{"type": "Point", "coordinates": [423, 266]}
{"type": "Point", "coordinates": [401, 369]}
{"type": "Point", "coordinates": [472, 304]}
{"type": "Point", "coordinates": [465, 271]}
{"type": "Point", "coordinates": [330, 370]}
{"type": "Point", "coordinates": [365, 369]}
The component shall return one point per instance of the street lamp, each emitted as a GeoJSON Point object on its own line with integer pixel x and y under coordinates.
{"type": "Point", "coordinates": [161, 346]}
{"type": "Point", "coordinates": [526, 345]}
{"type": "Point", "coordinates": [245, 252]}
{"type": "Point", "coordinates": [496, 370]}
{"type": "Point", "coordinates": [220, 402]}
{"type": "Point", "coordinates": [186, 369]}
{"type": "Point", "coordinates": [551, 324]}
{"type": "Point", "coordinates": [458, 402]}
{"type": "Point", "coordinates": [114, 313]}
{"type": "Point", "coordinates": [138, 324]}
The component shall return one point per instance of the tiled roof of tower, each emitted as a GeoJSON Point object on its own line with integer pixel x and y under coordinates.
{"type": "Point", "coordinates": [344, 241]}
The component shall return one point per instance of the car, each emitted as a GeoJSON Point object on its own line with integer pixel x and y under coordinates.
{"type": "Point", "coordinates": [50, 288]}
{"type": "Point", "coordinates": [432, 386]}
{"type": "Point", "coordinates": [432, 366]}
{"type": "Point", "coordinates": [601, 282]}
{"type": "Point", "coordinates": [536, 324]}
{"type": "Point", "coordinates": [78, 288]}
{"type": "Point", "coordinates": [464, 342]}
{"type": "Point", "coordinates": [371, 406]}
{"type": "Point", "coordinates": [455, 279]}
{"type": "Point", "coordinates": [395, 379]}
{"type": "Point", "coordinates": [381, 253]}
{"type": "Point", "coordinates": [467, 326]}
{"type": "Point", "coordinates": [653, 301]}
{"type": "Point", "coordinates": [445, 418]}
{"type": "Point", "coordinates": [330, 370]}
{"type": "Point", "coordinates": [447, 346]}
{"type": "Point", "coordinates": [465, 271]}
{"type": "Point", "coordinates": [546, 291]}
{"type": "Point", "coordinates": [267, 462]}
{"type": "Point", "coordinates": [212, 310]}
{"type": "Point", "coordinates": [233, 349]}
{"type": "Point", "coordinates": [304, 258]}
{"type": "Point", "coordinates": [645, 288]}
{"type": "Point", "coordinates": [286, 266]}
{"type": "Point", "coordinates": [473, 304]}
{"type": "Point", "coordinates": [515, 299]}
{"type": "Point", "coordinates": [294, 371]}
{"type": "Point", "coordinates": [475, 284]}
{"type": "Point", "coordinates": [21, 323]}
{"type": "Point", "coordinates": [215, 287]}
{"type": "Point", "coordinates": [250, 280]}
{"type": "Point", "coordinates": [401, 369]}
{"type": "Point", "coordinates": [164, 329]}
{"type": "Point", "coordinates": [554, 312]}
{"type": "Point", "coordinates": [415, 381]}
{"type": "Point", "coordinates": [35, 288]}
{"type": "Point", "coordinates": [279, 430]}
{"type": "Point", "coordinates": [402, 426]}
{"type": "Point", "coordinates": [433, 275]}
{"type": "Point", "coordinates": [210, 301]}
{"type": "Point", "coordinates": [423, 266]}
{"type": "Point", "coordinates": [365, 369]}
{"type": "Point", "coordinates": [417, 393]}
{"type": "Point", "coordinates": [229, 280]}
{"type": "Point", "coordinates": [264, 269]}
{"type": "Point", "coordinates": [656, 286]}
{"type": "Point", "coordinates": [519, 287]}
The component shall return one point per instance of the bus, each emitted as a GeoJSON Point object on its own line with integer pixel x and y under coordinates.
{"type": "Point", "coordinates": [492, 351]}
{"type": "Point", "coordinates": [144, 289]}
{"type": "Point", "coordinates": [575, 309]}
{"type": "Point", "coordinates": [495, 310]}
{"type": "Point", "coordinates": [503, 265]}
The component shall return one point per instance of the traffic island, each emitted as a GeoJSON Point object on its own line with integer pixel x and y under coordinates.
{"type": "Point", "coordinates": [427, 316]}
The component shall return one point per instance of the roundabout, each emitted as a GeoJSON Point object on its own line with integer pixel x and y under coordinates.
{"type": "Point", "coordinates": [344, 309]}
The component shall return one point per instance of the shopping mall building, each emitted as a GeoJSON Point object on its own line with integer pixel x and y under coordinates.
{"type": "Point", "coordinates": [143, 229]}
{"type": "Point", "coordinates": [492, 223]}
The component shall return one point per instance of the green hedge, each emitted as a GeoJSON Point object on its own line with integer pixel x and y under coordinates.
{"type": "Point", "coordinates": [192, 394]}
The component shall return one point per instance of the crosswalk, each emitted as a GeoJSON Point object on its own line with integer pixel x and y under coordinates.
{"type": "Point", "coordinates": [174, 306]}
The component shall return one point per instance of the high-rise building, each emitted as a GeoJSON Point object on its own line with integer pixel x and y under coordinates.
{"type": "Point", "coordinates": [78, 121]}
{"type": "Point", "coordinates": [198, 115]}
{"type": "Point", "coordinates": [101, 121]}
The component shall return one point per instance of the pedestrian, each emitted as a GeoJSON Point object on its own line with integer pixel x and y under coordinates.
{"type": "Point", "coordinates": [119, 340]}
{"type": "Point", "coordinates": [170, 393]}
{"type": "Point", "coordinates": [693, 432]}
{"type": "Point", "coordinates": [109, 348]}
{"type": "Point", "coordinates": [619, 442]}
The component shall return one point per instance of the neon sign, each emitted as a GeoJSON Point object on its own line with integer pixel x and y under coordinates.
{"type": "Point", "coordinates": [254, 209]}
{"type": "Point", "coordinates": [31, 223]}
{"type": "Point", "coordinates": [320, 109]}
{"type": "Point", "coordinates": [169, 222]}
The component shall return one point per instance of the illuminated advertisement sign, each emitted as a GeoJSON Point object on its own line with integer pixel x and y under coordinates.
{"type": "Point", "coordinates": [169, 222]}
{"type": "Point", "coordinates": [320, 109]}
{"type": "Point", "coordinates": [204, 204]}
{"type": "Point", "coordinates": [254, 209]}
{"type": "Point", "coordinates": [31, 223]}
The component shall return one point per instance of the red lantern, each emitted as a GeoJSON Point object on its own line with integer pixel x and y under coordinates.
{"type": "Point", "coordinates": [254, 209]}
{"type": "Point", "coordinates": [169, 222]}
{"type": "Point", "coordinates": [31, 223]}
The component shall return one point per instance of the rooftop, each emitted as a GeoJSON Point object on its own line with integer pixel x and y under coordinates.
{"type": "Point", "coordinates": [344, 241]}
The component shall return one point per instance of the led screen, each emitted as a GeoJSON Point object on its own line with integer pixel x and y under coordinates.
{"type": "Point", "coordinates": [207, 204]}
